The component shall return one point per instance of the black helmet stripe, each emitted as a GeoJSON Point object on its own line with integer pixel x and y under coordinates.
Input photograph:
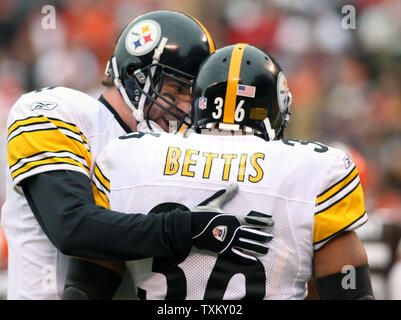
{"type": "Point", "coordinates": [232, 82]}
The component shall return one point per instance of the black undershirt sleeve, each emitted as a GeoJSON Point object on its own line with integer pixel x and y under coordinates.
{"type": "Point", "coordinates": [62, 202]}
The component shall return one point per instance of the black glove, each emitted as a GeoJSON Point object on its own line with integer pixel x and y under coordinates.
{"type": "Point", "coordinates": [237, 235]}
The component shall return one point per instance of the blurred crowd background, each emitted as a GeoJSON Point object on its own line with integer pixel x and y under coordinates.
{"type": "Point", "coordinates": [346, 83]}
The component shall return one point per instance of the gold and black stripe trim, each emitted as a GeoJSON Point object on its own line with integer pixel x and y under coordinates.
{"type": "Point", "coordinates": [330, 191]}
{"type": "Point", "coordinates": [340, 214]}
{"type": "Point", "coordinates": [29, 125]}
{"type": "Point", "coordinates": [103, 176]}
{"type": "Point", "coordinates": [99, 189]}
{"type": "Point", "coordinates": [44, 152]}
{"type": "Point", "coordinates": [69, 126]}
{"type": "Point", "coordinates": [29, 131]}
{"type": "Point", "coordinates": [100, 196]}
{"type": "Point", "coordinates": [47, 151]}
{"type": "Point", "coordinates": [60, 124]}
{"type": "Point", "coordinates": [338, 191]}
{"type": "Point", "coordinates": [85, 145]}
{"type": "Point", "coordinates": [51, 157]}
{"type": "Point", "coordinates": [337, 201]}
{"type": "Point", "coordinates": [338, 182]}
{"type": "Point", "coordinates": [11, 127]}
{"type": "Point", "coordinates": [44, 164]}
{"type": "Point", "coordinates": [339, 231]}
{"type": "Point", "coordinates": [14, 125]}
{"type": "Point", "coordinates": [103, 181]}
{"type": "Point", "coordinates": [83, 142]}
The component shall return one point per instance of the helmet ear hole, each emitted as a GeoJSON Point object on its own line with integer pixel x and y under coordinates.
{"type": "Point", "coordinates": [130, 71]}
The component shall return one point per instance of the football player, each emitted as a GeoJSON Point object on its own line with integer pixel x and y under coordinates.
{"type": "Point", "coordinates": [54, 136]}
{"type": "Point", "coordinates": [313, 193]}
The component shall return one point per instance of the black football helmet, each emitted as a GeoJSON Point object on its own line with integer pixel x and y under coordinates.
{"type": "Point", "coordinates": [153, 46]}
{"type": "Point", "coordinates": [240, 87]}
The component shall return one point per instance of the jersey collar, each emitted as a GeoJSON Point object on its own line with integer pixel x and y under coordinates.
{"type": "Point", "coordinates": [115, 113]}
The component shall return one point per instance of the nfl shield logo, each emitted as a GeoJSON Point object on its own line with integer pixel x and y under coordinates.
{"type": "Point", "coordinates": [202, 103]}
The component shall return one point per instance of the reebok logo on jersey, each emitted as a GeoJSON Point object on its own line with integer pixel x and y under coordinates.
{"type": "Point", "coordinates": [220, 232]}
{"type": "Point", "coordinates": [43, 105]}
{"type": "Point", "coordinates": [347, 162]}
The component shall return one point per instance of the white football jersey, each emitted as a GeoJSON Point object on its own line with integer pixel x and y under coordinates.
{"type": "Point", "coordinates": [313, 193]}
{"type": "Point", "coordinates": [49, 129]}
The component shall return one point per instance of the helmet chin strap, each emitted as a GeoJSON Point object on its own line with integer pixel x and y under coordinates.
{"type": "Point", "coordinates": [138, 112]}
{"type": "Point", "coordinates": [119, 85]}
{"type": "Point", "coordinates": [270, 132]}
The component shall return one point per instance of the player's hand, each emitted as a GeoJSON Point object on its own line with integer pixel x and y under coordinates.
{"type": "Point", "coordinates": [237, 236]}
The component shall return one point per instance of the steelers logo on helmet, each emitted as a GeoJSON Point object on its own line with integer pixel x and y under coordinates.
{"type": "Point", "coordinates": [143, 37]}
{"type": "Point", "coordinates": [283, 96]}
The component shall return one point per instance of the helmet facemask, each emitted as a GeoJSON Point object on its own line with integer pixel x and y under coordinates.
{"type": "Point", "coordinates": [146, 98]}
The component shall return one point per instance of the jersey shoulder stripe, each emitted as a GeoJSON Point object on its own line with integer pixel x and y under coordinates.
{"type": "Point", "coordinates": [339, 214]}
{"type": "Point", "coordinates": [342, 193]}
{"type": "Point", "coordinates": [45, 123]}
{"type": "Point", "coordinates": [351, 226]}
{"type": "Point", "coordinates": [101, 199]}
{"type": "Point", "coordinates": [339, 203]}
{"type": "Point", "coordinates": [24, 122]}
{"type": "Point", "coordinates": [100, 188]}
{"type": "Point", "coordinates": [101, 178]}
{"type": "Point", "coordinates": [42, 155]}
{"type": "Point", "coordinates": [337, 187]}
{"type": "Point", "coordinates": [64, 164]}
{"type": "Point", "coordinates": [35, 142]}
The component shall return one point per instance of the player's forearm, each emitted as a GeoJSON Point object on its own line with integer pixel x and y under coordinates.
{"type": "Point", "coordinates": [116, 236]}
{"type": "Point", "coordinates": [63, 204]}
